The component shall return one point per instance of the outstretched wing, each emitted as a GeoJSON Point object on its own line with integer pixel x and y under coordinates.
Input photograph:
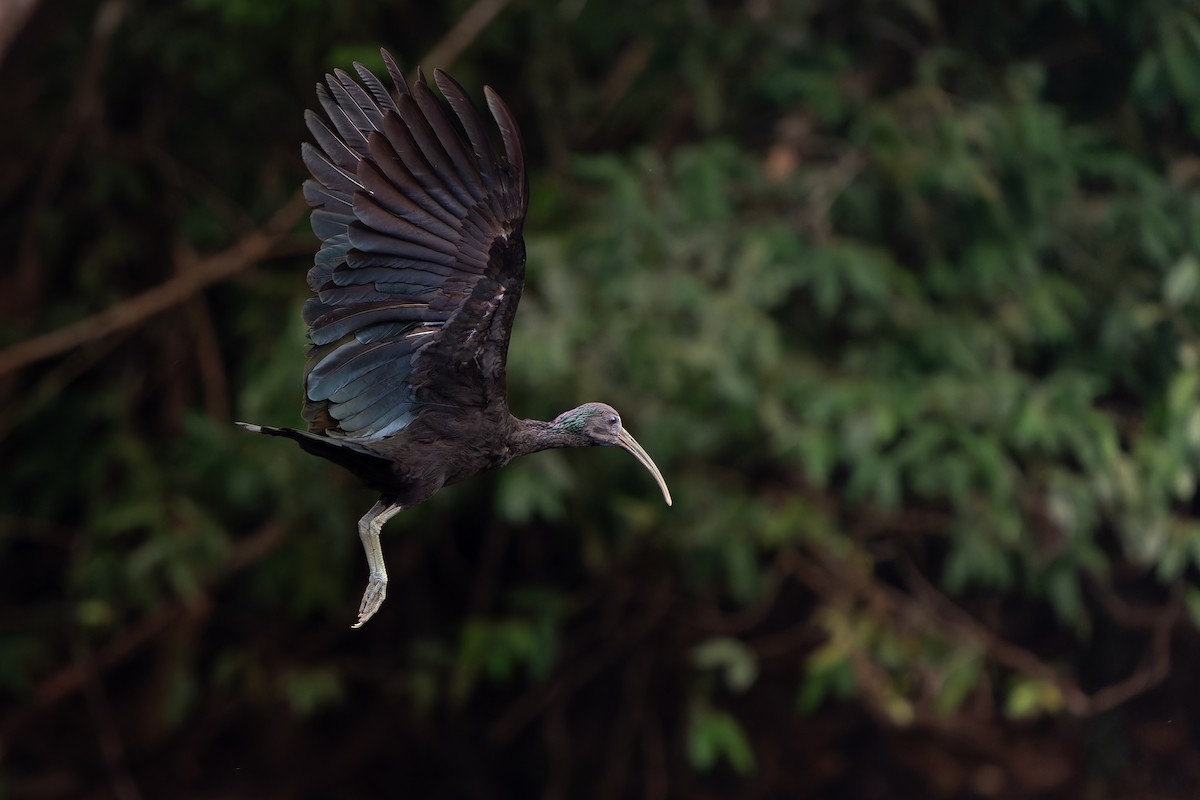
{"type": "Point", "coordinates": [422, 261]}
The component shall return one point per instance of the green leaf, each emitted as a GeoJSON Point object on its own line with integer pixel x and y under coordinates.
{"type": "Point", "coordinates": [960, 679]}
{"type": "Point", "coordinates": [1062, 588]}
{"type": "Point", "coordinates": [1182, 281]}
{"type": "Point", "coordinates": [738, 663]}
{"type": "Point", "coordinates": [714, 735]}
{"type": "Point", "coordinates": [1029, 697]}
{"type": "Point", "coordinates": [1192, 600]}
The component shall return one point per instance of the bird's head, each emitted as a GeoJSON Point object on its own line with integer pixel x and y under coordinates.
{"type": "Point", "coordinates": [600, 424]}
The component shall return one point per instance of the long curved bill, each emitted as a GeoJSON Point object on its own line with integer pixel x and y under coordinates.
{"type": "Point", "coordinates": [627, 441]}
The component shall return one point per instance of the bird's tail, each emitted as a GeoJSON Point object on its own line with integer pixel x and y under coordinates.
{"type": "Point", "coordinates": [372, 468]}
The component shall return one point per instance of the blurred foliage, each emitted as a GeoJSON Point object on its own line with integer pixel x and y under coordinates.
{"type": "Point", "coordinates": [902, 296]}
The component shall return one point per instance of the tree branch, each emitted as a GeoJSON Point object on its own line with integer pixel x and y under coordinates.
{"type": "Point", "coordinates": [194, 275]}
{"type": "Point", "coordinates": [465, 31]}
{"type": "Point", "coordinates": [13, 16]}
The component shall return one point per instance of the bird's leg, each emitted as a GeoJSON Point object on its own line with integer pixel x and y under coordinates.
{"type": "Point", "coordinates": [368, 530]}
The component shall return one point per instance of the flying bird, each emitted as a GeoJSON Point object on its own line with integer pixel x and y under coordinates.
{"type": "Point", "coordinates": [416, 284]}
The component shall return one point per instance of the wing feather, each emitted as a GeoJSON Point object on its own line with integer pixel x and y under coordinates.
{"type": "Point", "coordinates": [398, 79]}
{"type": "Point", "coordinates": [387, 163]}
{"type": "Point", "coordinates": [332, 177]}
{"type": "Point", "coordinates": [329, 223]}
{"type": "Point", "coordinates": [430, 145]}
{"type": "Point", "coordinates": [412, 157]}
{"type": "Point", "coordinates": [365, 105]}
{"type": "Point", "coordinates": [431, 250]}
{"type": "Point", "coordinates": [352, 136]}
{"type": "Point", "coordinates": [374, 216]}
{"type": "Point", "coordinates": [383, 99]}
{"type": "Point", "coordinates": [333, 147]}
{"type": "Point", "coordinates": [341, 321]}
{"type": "Point", "coordinates": [421, 263]}
{"type": "Point", "coordinates": [514, 150]}
{"type": "Point", "coordinates": [481, 143]}
{"type": "Point", "coordinates": [450, 142]}
{"type": "Point", "coordinates": [388, 195]}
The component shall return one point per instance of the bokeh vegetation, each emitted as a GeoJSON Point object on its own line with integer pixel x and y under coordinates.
{"type": "Point", "coordinates": [903, 296]}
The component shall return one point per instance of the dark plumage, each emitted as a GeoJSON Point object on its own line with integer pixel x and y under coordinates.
{"type": "Point", "coordinates": [416, 285]}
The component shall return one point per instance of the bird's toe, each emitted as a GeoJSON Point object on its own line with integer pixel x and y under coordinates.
{"type": "Point", "coordinates": [372, 599]}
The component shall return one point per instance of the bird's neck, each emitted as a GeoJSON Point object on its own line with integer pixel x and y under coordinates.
{"type": "Point", "coordinates": [533, 435]}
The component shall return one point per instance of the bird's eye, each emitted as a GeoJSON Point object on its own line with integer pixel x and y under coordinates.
{"type": "Point", "coordinates": [614, 420]}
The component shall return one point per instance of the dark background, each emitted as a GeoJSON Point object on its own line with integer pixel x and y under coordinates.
{"type": "Point", "coordinates": [903, 297]}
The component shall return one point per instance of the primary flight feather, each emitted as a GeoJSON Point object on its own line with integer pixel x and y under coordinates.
{"type": "Point", "coordinates": [416, 284]}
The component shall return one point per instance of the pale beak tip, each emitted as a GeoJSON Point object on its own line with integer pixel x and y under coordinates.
{"type": "Point", "coordinates": [626, 440]}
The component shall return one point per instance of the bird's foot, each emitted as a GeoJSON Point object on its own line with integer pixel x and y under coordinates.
{"type": "Point", "coordinates": [372, 599]}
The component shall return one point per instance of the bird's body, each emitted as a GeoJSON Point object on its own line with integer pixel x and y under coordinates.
{"type": "Point", "coordinates": [411, 466]}
{"type": "Point", "coordinates": [416, 286]}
